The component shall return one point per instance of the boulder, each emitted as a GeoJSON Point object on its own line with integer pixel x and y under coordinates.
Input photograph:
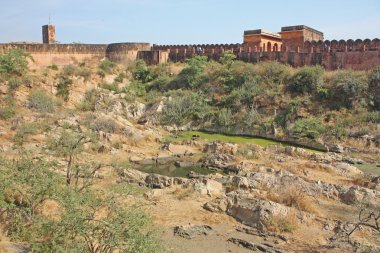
{"type": "Point", "coordinates": [190, 232]}
{"type": "Point", "coordinates": [356, 194]}
{"type": "Point", "coordinates": [254, 212]}
{"type": "Point", "coordinates": [347, 170]}
{"type": "Point", "coordinates": [209, 187]}
{"type": "Point", "coordinates": [221, 147]}
{"type": "Point", "coordinates": [220, 161]}
{"type": "Point", "coordinates": [218, 205]}
{"type": "Point", "coordinates": [159, 181]}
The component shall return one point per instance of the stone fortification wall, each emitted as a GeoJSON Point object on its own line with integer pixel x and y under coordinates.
{"type": "Point", "coordinates": [358, 54]}
{"type": "Point", "coordinates": [65, 54]}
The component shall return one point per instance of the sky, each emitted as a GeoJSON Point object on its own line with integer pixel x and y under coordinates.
{"type": "Point", "coordinates": [183, 21]}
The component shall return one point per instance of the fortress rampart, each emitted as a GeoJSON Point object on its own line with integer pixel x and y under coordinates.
{"type": "Point", "coordinates": [294, 45]}
{"type": "Point", "coordinates": [65, 54]}
{"type": "Point", "coordinates": [358, 54]}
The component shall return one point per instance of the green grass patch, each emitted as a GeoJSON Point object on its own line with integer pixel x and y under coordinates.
{"type": "Point", "coordinates": [368, 168]}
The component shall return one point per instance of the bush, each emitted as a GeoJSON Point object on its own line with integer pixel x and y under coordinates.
{"type": "Point", "coordinates": [374, 87]}
{"type": "Point", "coordinates": [190, 77]}
{"type": "Point", "coordinates": [14, 83]}
{"type": "Point", "coordinates": [41, 102]}
{"type": "Point", "coordinates": [184, 108]}
{"type": "Point", "coordinates": [120, 77]}
{"type": "Point", "coordinates": [14, 63]}
{"type": "Point", "coordinates": [110, 86]}
{"type": "Point", "coordinates": [306, 79]}
{"type": "Point", "coordinates": [133, 90]}
{"type": "Point", "coordinates": [27, 185]}
{"type": "Point", "coordinates": [63, 87]}
{"type": "Point", "coordinates": [89, 101]}
{"type": "Point", "coordinates": [107, 66]}
{"type": "Point", "coordinates": [309, 128]}
{"type": "Point", "coordinates": [53, 67]}
{"type": "Point", "coordinates": [103, 124]}
{"type": "Point", "coordinates": [273, 73]}
{"type": "Point", "coordinates": [142, 72]}
{"type": "Point", "coordinates": [347, 88]}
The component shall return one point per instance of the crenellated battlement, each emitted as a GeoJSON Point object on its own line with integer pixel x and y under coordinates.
{"type": "Point", "coordinates": [294, 45]}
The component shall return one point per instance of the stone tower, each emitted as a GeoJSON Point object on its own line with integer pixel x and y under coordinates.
{"type": "Point", "coordinates": [294, 37]}
{"type": "Point", "coordinates": [48, 34]}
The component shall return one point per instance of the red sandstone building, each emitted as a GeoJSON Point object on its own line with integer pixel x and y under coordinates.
{"type": "Point", "coordinates": [291, 38]}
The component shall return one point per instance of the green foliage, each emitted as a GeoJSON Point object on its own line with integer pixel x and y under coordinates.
{"type": "Point", "coordinates": [184, 108]}
{"type": "Point", "coordinates": [103, 124]}
{"type": "Point", "coordinates": [347, 88]}
{"type": "Point", "coordinates": [25, 186]}
{"type": "Point", "coordinates": [120, 77]}
{"type": "Point", "coordinates": [190, 77]}
{"type": "Point", "coordinates": [142, 73]}
{"type": "Point", "coordinates": [63, 87]}
{"type": "Point", "coordinates": [306, 79]}
{"type": "Point", "coordinates": [224, 118]}
{"type": "Point", "coordinates": [14, 83]}
{"type": "Point", "coordinates": [107, 66]}
{"type": "Point", "coordinates": [273, 73]}
{"type": "Point", "coordinates": [14, 63]}
{"type": "Point", "coordinates": [310, 128]}
{"type": "Point", "coordinates": [41, 102]}
{"type": "Point", "coordinates": [374, 87]}
{"type": "Point", "coordinates": [110, 86]}
{"type": "Point", "coordinates": [23, 131]}
{"type": "Point", "coordinates": [133, 90]}
{"type": "Point", "coordinates": [227, 58]}
{"type": "Point", "coordinates": [53, 67]}
{"type": "Point", "coordinates": [89, 101]}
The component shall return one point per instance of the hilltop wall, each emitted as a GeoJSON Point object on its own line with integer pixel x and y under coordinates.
{"type": "Point", "coordinates": [65, 54]}
{"type": "Point", "coordinates": [357, 55]}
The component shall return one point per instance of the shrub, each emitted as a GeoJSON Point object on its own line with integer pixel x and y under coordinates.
{"type": "Point", "coordinates": [347, 88]}
{"type": "Point", "coordinates": [110, 86]}
{"type": "Point", "coordinates": [133, 90]}
{"type": "Point", "coordinates": [224, 118]}
{"type": "Point", "coordinates": [227, 58]}
{"type": "Point", "coordinates": [308, 127]}
{"type": "Point", "coordinates": [24, 130]}
{"type": "Point", "coordinates": [120, 77]}
{"type": "Point", "coordinates": [184, 108]}
{"type": "Point", "coordinates": [14, 83]}
{"type": "Point", "coordinates": [273, 73]}
{"type": "Point", "coordinates": [14, 63]}
{"type": "Point", "coordinates": [7, 112]}
{"type": "Point", "coordinates": [41, 102]}
{"type": "Point", "coordinates": [63, 87]}
{"type": "Point", "coordinates": [190, 77]}
{"type": "Point", "coordinates": [107, 66]}
{"type": "Point", "coordinates": [306, 79]}
{"type": "Point", "coordinates": [103, 124]}
{"type": "Point", "coordinates": [53, 67]}
{"type": "Point", "coordinates": [89, 101]}
{"type": "Point", "coordinates": [374, 87]}
{"type": "Point", "coordinates": [281, 224]}
{"type": "Point", "coordinates": [142, 72]}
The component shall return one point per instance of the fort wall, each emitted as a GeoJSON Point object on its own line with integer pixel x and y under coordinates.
{"type": "Point", "coordinates": [357, 55]}
{"type": "Point", "coordinates": [65, 54]}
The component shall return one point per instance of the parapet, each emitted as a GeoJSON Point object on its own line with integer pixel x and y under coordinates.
{"type": "Point", "coordinates": [261, 32]}
{"type": "Point", "coordinates": [300, 28]}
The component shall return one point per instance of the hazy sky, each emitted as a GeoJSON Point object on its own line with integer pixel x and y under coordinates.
{"type": "Point", "coordinates": [183, 21]}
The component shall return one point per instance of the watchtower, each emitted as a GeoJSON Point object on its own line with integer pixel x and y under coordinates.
{"type": "Point", "coordinates": [48, 34]}
{"type": "Point", "coordinates": [294, 37]}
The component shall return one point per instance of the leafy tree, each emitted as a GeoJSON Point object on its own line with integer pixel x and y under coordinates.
{"type": "Point", "coordinates": [190, 77]}
{"type": "Point", "coordinates": [347, 88]}
{"type": "Point", "coordinates": [142, 72]}
{"type": "Point", "coordinates": [185, 108]}
{"type": "Point", "coordinates": [14, 63]}
{"type": "Point", "coordinates": [306, 79]}
{"type": "Point", "coordinates": [374, 87]}
{"type": "Point", "coordinates": [227, 59]}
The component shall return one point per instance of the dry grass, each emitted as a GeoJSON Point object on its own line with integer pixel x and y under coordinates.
{"type": "Point", "coordinates": [282, 224]}
{"type": "Point", "coordinates": [293, 197]}
{"type": "Point", "coordinates": [182, 193]}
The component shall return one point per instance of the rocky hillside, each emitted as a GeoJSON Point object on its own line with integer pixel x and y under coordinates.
{"type": "Point", "coordinates": [93, 158]}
